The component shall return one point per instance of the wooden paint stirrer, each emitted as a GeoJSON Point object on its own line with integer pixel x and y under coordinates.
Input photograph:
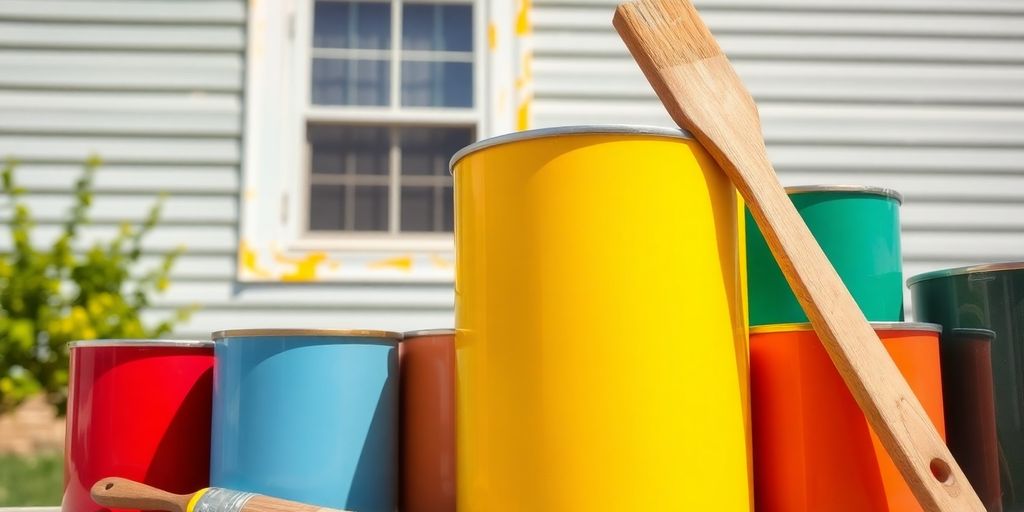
{"type": "Point", "coordinates": [703, 94]}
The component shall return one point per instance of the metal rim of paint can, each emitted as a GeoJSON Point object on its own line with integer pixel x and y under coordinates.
{"type": "Point", "coordinates": [970, 269]}
{"type": "Point", "coordinates": [332, 333]}
{"type": "Point", "coordinates": [878, 326]}
{"type": "Point", "coordinates": [423, 333]}
{"type": "Point", "coordinates": [971, 333]}
{"type": "Point", "coordinates": [584, 129]}
{"type": "Point", "coordinates": [852, 189]}
{"type": "Point", "coordinates": [141, 343]}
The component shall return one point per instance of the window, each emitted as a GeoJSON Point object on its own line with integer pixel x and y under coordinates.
{"type": "Point", "coordinates": [391, 99]}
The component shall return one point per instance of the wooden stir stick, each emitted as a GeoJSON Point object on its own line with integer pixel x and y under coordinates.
{"type": "Point", "coordinates": [703, 94]}
{"type": "Point", "coordinates": [123, 493]}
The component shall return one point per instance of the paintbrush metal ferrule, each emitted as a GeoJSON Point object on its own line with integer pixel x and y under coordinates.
{"type": "Point", "coordinates": [216, 499]}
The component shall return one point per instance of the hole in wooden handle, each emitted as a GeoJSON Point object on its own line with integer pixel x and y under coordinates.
{"type": "Point", "coordinates": [940, 470]}
{"type": "Point", "coordinates": [109, 486]}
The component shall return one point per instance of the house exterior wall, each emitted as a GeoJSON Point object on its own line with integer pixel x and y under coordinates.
{"type": "Point", "coordinates": [923, 96]}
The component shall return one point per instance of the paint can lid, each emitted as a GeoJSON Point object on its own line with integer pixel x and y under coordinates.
{"type": "Point", "coordinates": [971, 334]}
{"type": "Point", "coordinates": [560, 131]}
{"type": "Point", "coordinates": [141, 343]}
{"type": "Point", "coordinates": [334, 333]}
{"type": "Point", "coordinates": [878, 326]}
{"type": "Point", "coordinates": [848, 189]}
{"type": "Point", "coordinates": [422, 333]}
{"type": "Point", "coordinates": [970, 269]}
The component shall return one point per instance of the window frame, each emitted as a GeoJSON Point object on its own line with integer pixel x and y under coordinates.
{"type": "Point", "coordinates": [392, 116]}
{"type": "Point", "coordinates": [269, 248]}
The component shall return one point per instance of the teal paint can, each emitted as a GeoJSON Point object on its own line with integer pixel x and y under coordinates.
{"type": "Point", "coordinates": [858, 228]}
{"type": "Point", "coordinates": [989, 297]}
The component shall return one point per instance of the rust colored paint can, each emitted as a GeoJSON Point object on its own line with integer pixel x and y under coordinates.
{"type": "Point", "coordinates": [137, 409]}
{"type": "Point", "coordinates": [970, 410]}
{"type": "Point", "coordinates": [427, 442]}
{"type": "Point", "coordinates": [813, 448]}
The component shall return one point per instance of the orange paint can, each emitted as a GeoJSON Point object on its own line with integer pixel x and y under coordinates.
{"type": "Point", "coordinates": [813, 448]}
{"type": "Point", "coordinates": [427, 419]}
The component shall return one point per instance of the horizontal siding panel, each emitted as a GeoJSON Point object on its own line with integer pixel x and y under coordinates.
{"type": "Point", "coordinates": [136, 179]}
{"type": "Point", "coordinates": [150, 11]}
{"type": "Point", "coordinates": [596, 17]}
{"type": "Point", "coordinates": [192, 267]}
{"type": "Point", "coordinates": [964, 245]}
{"type": "Point", "coordinates": [839, 6]}
{"type": "Point", "coordinates": [950, 187]}
{"type": "Point", "coordinates": [179, 113]}
{"type": "Point", "coordinates": [207, 320]}
{"type": "Point", "coordinates": [84, 70]}
{"type": "Point", "coordinates": [117, 208]}
{"type": "Point", "coordinates": [896, 159]}
{"type": "Point", "coordinates": [198, 239]}
{"type": "Point", "coordinates": [814, 123]}
{"type": "Point", "coordinates": [227, 294]}
{"type": "Point", "coordinates": [619, 78]}
{"type": "Point", "coordinates": [975, 217]}
{"type": "Point", "coordinates": [120, 149]}
{"type": "Point", "coordinates": [122, 37]}
{"type": "Point", "coordinates": [796, 47]}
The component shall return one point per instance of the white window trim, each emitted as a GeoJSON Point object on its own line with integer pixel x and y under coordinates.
{"type": "Point", "coordinates": [273, 246]}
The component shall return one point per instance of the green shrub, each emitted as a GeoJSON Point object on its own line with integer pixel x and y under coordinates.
{"type": "Point", "coordinates": [51, 296]}
{"type": "Point", "coordinates": [31, 481]}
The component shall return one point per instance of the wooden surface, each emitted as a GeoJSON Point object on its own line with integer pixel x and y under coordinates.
{"type": "Point", "coordinates": [703, 94]}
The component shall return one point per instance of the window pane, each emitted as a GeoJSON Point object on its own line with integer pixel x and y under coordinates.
{"type": "Point", "coordinates": [348, 149]}
{"type": "Point", "coordinates": [365, 25]}
{"type": "Point", "coordinates": [371, 208]}
{"type": "Point", "coordinates": [437, 84]}
{"type": "Point", "coordinates": [350, 82]}
{"type": "Point", "coordinates": [327, 208]}
{"type": "Point", "coordinates": [428, 150]}
{"type": "Point", "coordinates": [417, 209]}
{"type": "Point", "coordinates": [437, 27]}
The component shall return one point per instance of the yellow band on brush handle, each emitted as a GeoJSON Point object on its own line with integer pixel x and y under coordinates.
{"type": "Point", "coordinates": [195, 499]}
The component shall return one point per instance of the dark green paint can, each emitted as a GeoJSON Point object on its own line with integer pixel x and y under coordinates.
{"type": "Point", "coordinates": [858, 228]}
{"type": "Point", "coordinates": [987, 297]}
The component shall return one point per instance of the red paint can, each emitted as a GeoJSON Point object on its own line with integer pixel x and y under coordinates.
{"type": "Point", "coordinates": [427, 446]}
{"type": "Point", "coordinates": [137, 409]}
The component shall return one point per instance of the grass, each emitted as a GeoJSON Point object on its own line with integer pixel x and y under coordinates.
{"type": "Point", "coordinates": [31, 481]}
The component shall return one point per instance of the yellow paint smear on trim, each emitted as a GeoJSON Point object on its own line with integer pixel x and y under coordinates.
{"type": "Point", "coordinates": [398, 263]}
{"type": "Point", "coordinates": [492, 36]}
{"type": "Point", "coordinates": [248, 260]}
{"type": "Point", "coordinates": [523, 27]}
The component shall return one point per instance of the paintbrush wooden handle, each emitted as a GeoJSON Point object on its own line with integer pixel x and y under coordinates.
{"type": "Point", "coordinates": [116, 492]}
{"type": "Point", "coordinates": [701, 91]}
{"type": "Point", "coordinates": [127, 494]}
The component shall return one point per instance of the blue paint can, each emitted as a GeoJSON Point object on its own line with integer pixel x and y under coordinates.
{"type": "Point", "coordinates": [307, 415]}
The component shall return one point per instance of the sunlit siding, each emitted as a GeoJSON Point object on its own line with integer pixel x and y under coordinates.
{"type": "Point", "coordinates": [155, 88]}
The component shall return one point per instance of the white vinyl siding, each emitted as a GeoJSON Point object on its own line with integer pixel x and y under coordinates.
{"type": "Point", "coordinates": [924, 96]}
{"type": "Point", "coordinates": [155, 87]}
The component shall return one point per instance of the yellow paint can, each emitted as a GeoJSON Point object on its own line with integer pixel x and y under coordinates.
{"type": "Point", "coordinates": [600, 342]}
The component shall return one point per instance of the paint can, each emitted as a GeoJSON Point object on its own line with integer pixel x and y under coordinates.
{"type": "Point", "coordinates": [137, 409]}
{"type": "Point", "coordinates": [970, 410]}
{"type": "Point", "coordinates": [581, 251]}
{"type": "Point", "coordinates": [987, 297]}
{"type": "Point", "coordinates": [814, 448]}
{"type": "Point", "coordinates": [308, 415]}
{"type": "Point", "coordinates": [427, 432]}
{"type": "Point", "coordinates": [858, 228]}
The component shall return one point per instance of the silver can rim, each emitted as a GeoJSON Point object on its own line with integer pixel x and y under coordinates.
{"type": "Point", "coordinates": [878, 326]}
{"type": "Point", "coordinates": [558, 131]}
{"type": "Point", "coordinates": [279, 332]}
{"type": "Point", "coordinates": [849, 189]}
{"type": "Point", "coordinates": [423, 333]}
{"type": "Point", "coordinates": [970, 269]}
{"type": "Point", "coordinates": [141, 343]}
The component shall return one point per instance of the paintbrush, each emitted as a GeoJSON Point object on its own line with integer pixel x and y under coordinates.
{"type": "Point", "coordinates": [122, 493]}
{"type": "Point", "coordinates": [704, 95]}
